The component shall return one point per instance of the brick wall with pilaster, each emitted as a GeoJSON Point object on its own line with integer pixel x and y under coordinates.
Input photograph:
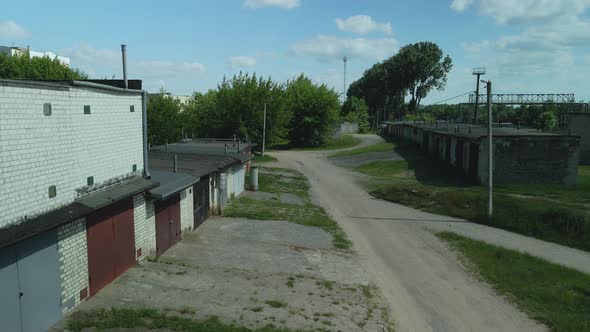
{"type": "Point", "coordinates": [72, 247]}
{"type": "Point", "coordinates": [187, 216]}
{"type": "Point", "coordinates": [144, 222]}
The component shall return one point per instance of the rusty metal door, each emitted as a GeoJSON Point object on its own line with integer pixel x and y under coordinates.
{"type": "Point", "coordinates": [167, 223]}
{"type": "Point", "coordinates": [201, 201]}
{"type": "Point", "coordinates": [111, 244]}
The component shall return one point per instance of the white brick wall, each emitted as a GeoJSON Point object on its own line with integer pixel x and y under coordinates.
{"type": "Point", "coordinates": [38, 151]}
{"type": "Point", "coordinates": [145, 226]}
{"type": "Point", "coordinates": [72, 247]}
{"type": "Point", "coordinates": [187, 214]}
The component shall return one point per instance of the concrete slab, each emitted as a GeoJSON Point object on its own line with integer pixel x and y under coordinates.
{"type": "Point", "coordinates": [289, 198]}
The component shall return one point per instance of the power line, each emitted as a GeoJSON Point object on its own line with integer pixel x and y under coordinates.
{"type": "Point", "coordinates": [461, 95]}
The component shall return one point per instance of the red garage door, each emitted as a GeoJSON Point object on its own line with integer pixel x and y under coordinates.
{"type": "Point", "coordinates": [167, 223]}
{"type": "Point", "coordinates": [111, 243]}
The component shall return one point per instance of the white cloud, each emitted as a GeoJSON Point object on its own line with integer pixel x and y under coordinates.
{"type": "Point", "coordinates": [362, 24]}
{"type": "Point", "coordinates": [285, 4]}
{"type": "Point", "coordinates": [100, 63]}
{"type": "Point", "coordinates": [522, 11]}
{"type": "Point", "coordinates": [11, 30]}
{"type": "Point", "coordinates": [475, 47]}
{"type": "Point", "coordinates": [461, 5]}
{"type": "Point", "coordinates": [241, 61]}
{"type": "Point", "coordinates": [334, 48]}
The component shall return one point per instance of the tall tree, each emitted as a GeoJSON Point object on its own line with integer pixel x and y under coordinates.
{"type": "Point", "coordinates": [314, 109]}
{"type": "Point", "coordinates": [422, 68]}
{"type": "Point", "coordinates": [164, 122]}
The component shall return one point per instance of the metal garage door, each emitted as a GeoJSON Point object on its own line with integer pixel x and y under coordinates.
{"type": "Point", "coordinates": [111, 244]}
{"type": "Point", "coordinates": [167, 223]}
{"type": "Point", "coordinates": [30, 290]}
{"type": "Point", "coordinates": [201, 201]}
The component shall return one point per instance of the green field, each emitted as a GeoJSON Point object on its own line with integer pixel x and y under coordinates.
{"type": "Point", "coordinates": [379, 147]}
{"type": "Point", "coordinates": [552, 294]}
{"type": "Point", "coordinates": [555, 213]}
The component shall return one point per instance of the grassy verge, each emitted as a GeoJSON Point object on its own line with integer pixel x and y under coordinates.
{"type": "Point", "coordinates": [553, 213]}
{"type": "Point", "coordinates": [152, 319]}
{"type": "Point", "coordinates": [552, 294]}
{"type": "Point", "coordinates": [263, 159]}
{"type": "Point", "coordinates": [308, 214]}
{"type": "Point", "coordinates": [379, 147]}
{"type": "Point", "coordinates": [342, 142]}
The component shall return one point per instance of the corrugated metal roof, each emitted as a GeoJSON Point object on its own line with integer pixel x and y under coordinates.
{"type": "Point", "coordinates": [170, 182]}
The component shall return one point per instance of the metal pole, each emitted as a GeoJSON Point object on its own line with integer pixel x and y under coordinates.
{"type": "Point", "coordinates": [476, 98]}
{"type": "Point", "coordinates": [490, 154]}
{"type": "Point", "coordinates": [264, 130]}
{"type": "Point", "coordinates": [124, 55]}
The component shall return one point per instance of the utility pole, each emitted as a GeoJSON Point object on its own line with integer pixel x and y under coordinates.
{"type": "Point", "coordinates": [264, 130]}
{"type": "Point", "coordinates": [478, 72]}
{"type": "Point", "coordinates": [345, 59]}
{"type": "Point", "coordinates": [490, 154]}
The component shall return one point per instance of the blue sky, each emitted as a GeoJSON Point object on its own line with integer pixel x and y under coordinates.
{"type": "Point", "coordinates": [528, 46]}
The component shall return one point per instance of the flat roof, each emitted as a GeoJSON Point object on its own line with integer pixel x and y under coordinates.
{"type": "Point", "coordinates": [196, 164]}
{"type": "Point", "coordinates": [212, 148]}
{"type": "Point", "coordinates": [66, 84]}
{"type": "Point", "coordinates": [471, 131]}
{"type": "Point", "coordinates": [170, 182]}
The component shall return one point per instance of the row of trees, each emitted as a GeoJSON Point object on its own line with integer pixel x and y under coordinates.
{"type": "Point", "coordinates": [299, 111]}
{"type": "Point", "coordinates": [414, 71]}
{"type": "Point", "coordinates": [23, 67]}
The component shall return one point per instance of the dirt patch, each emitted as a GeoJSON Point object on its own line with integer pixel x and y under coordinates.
{"type": "Point", "coordinates": [253, 273]}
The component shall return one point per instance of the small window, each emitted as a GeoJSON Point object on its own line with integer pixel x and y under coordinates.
{"type": "Point", "coordinates": [52, 191]}
{"type": "Point", "coordinates": [190, 191]}
{"type": "Point", "coordinates": [90, 180]}
{"type": "Point", "coordinates": [134, 167]}
{"type": "Point", "coordinates": [132, 108]}
{"type": "Point", "coordinates": [47, 109]}
{"type": "Point", "coordinates": [86, 109]}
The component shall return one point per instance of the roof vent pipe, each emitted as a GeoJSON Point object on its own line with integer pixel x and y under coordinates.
{"type": "Point", "coordinates": [124, 55]}
{"type": "Point", "coordinates": [166, 145]}
{"type": "Point", "coordinates": [175, 163]}
{"type": "Point", "coordinates": [226, 149]}
{"type": "Point", "coordinates": [238, 145]}
{"type": "Point", "coordinates": [234, 141]}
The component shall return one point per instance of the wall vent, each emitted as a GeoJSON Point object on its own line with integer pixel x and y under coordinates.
{"type": "Point", "coordinates": [134, 167]}
{"type": "Point", "coordinates": [90, 180]}
{"type": "Point", "coordinates": [52, 191]}
{"type": "Point", "coordinates": [47, 109]}
{"type": "Point", "coordinates": [86, 109]}
{"type": "Point", "coordinates": [132, 108]}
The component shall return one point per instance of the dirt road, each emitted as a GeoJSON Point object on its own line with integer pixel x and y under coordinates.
{"type": "Point", "coordinates": [425, 285]}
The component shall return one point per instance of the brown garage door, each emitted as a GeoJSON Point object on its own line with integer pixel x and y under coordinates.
{"type": "Point", "coordinates": [167, 223]}
{"type": "Point", "coordinates": [111, 243]}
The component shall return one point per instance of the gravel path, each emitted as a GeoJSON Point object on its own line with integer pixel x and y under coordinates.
{"type": "Point", "coordinates": [422, 280]}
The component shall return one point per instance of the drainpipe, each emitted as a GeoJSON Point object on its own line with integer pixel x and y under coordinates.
{"type": "Point", "coordinates": [146, 171]}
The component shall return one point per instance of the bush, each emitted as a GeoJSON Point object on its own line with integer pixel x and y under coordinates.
{"type": "Point", "coordinates": [548, 122]}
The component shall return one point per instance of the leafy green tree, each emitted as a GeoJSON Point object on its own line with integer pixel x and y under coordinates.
{"type": "Point", "coordinates": [355, 110]}
{"type": "Point", "coordinates": [236, 107]}
{"type": "Point", "coordinates": [422, 68]}
{"type": "Point", "coordinates": [23, 67]}
{"type": "Point", "coordinates": [548, 122]}
{"type": "Point", "coordinates": [314, 109]}
{"type": "Point", "coordinates": [164, 121]}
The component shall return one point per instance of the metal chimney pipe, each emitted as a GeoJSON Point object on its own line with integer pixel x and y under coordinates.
{"type": "Point", "coordinates": [175, 163]}
{"type": "Point", "coordinates": [124, 54]}
{"type": "Point", "coordinates": [226, 149]}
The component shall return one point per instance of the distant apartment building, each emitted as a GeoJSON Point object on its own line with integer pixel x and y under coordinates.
{"type": "Point", "coordinates": [23, 51]}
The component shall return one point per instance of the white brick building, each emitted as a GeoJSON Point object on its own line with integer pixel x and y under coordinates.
{"type": "Point", "coordinates": [72, 191]}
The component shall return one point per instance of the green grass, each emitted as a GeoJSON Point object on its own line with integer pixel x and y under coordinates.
{"type": "Point", "coordinates": [342, 142]}
{"type": "Point", "coordinates": [295, 183]}
{"type": "Point", "coordinates": [275, 304]}
{"type": "Point", "coordinates": [152, 319]}
{"type": "Point", "coordinates": [263, 159]}
{"type": "Point", "coordinates": [552, 294]}
{"type": "Point", "coordinates": [555, 213]}
{"type": "Point", "coordinates": [379, 147]}
{"type": "Point", "coordinates": [309, 214]}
